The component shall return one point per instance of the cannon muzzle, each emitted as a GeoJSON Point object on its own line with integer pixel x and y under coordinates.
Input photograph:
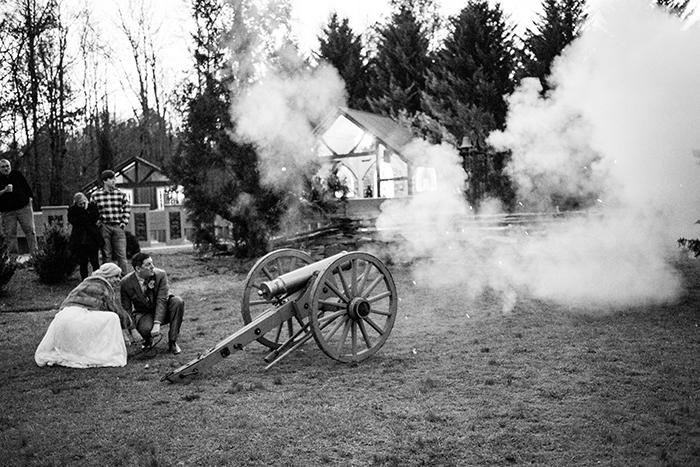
{"type": "Point", "coordinates": [296, 280]}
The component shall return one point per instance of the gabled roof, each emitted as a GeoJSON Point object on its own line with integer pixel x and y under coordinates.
{"type": "Point", "coordinates": [135, 171]}
{"type": "Point", "coordinates": [390, 133]}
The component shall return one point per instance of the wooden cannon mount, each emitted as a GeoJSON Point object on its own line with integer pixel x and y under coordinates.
{"type": "Point", "coordinates": [346, 302]}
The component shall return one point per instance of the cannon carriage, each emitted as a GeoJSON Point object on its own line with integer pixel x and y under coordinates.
{"type": "Point", "coordinates": [347, 303]}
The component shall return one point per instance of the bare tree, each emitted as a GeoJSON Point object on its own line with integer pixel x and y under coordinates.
{"type": "Point", "coordinates": [93, 147]}
{"type": "Point", "coordinates": [56, 68]}
{"type": "Point", "coordinates": [143, 34]}
{"type": "Point", "coordinates": [34, 54]}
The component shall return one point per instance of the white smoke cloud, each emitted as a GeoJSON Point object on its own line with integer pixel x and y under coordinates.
{"type": "Point", "coordinates": [634, 75]}
{"type": "Point", "coordinates": [278, 114]}
{"type": "Point", "coordinates": [623, 123]}
{"type": "Point", "coordinates": [431, 211]}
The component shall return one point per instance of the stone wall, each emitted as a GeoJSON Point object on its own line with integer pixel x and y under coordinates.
{"type": "Point", "coordinates": [168, 226]}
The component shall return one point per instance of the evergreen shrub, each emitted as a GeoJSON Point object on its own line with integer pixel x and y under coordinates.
{"type": "Point", "coordinates": [53, 261]}
{"type": "Point", "coordinates": [8, 265]}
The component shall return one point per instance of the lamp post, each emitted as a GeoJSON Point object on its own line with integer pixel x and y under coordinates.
{"type": "Point", "coordinates": [476, 169]}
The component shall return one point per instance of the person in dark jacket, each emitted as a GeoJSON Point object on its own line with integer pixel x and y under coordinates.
{"type": "Point", "coordinates": [145, 295]}
{"type": "Point", "coordinates": [85, 237]}
{"type": "Point", "coordinates": [16, 207]}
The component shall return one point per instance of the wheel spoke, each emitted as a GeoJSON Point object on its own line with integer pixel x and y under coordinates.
{"type": "Point", "coordinates": [334, 329]}
{"type": "Point", "coordinates": [365, 336]}
{"type": "Point", "coordinates": [326, 303]}
{"type": "Point", "coordinates": [353, 278]}
{"type": "Point", "coordinates": [344, 282]}
{"type": "Point", "coordinates": [267, 273]}
{"type": "Point", "coordinates": [371, 286]}
{"type": "Point", "coordinates": [380, 312]}
{"type": "Point", "coordinates": [337, 292]}
{"type": "Point", "coordinates": [362, 280]}
{"type": "Point", "coordinates": [353, 338]}
{"type": "Point", "coordinates": [374, 325]}
{"type": "Point", "coordinates": [331, 317]}
{"type": "Point", "coordinates": [278, 264]}
{"type": "Point", "coordinates": [346, 329]}
{"type": "Point", "coordinates": [380, 296]}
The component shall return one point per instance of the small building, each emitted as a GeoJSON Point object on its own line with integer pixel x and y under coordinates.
{"type": "Point", "coordinates": [144, 183]}
{"type": "Point", "coordinates": [368, 152]}
{"type": "Point", "coordinates": [157, 215]}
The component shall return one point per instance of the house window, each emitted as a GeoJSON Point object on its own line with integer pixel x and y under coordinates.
{"type": "Point", "coordinates": [426, 179]}
{"type": "Point", "coordinates": [129, 194]}
{"type": "Point", "coordinates": [386, 182]}
{"type": "Point", "coordinates": [168, 196]}
{"type": "Point", "coordinates": [349, 179]}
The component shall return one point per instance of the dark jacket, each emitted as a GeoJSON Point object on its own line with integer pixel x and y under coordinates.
{"type": "Point", "coordinates": [84, 233]}
{"type": "Point", "coordinates": [19, 196]}
{"type": "Point", "coordinates": [155, 301]}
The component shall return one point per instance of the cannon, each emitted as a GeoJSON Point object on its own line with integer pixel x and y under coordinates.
{"type": "Point", "coordinates": [347, 303]}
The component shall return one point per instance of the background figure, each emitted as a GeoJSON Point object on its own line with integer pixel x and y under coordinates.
{"type": "Point", "coordinates": [16, 207]}
{"type": "Point", "coordinates": [91, 327]}
{"type": "Point", "coordinates": [146, 295]}
{"type": "Point", "coordinates": [113, 207]}
{"type": "Point", "coordinates": [85, 237]}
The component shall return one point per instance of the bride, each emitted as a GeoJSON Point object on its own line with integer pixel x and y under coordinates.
{"type": "Point", "coordinates": [91, 327]}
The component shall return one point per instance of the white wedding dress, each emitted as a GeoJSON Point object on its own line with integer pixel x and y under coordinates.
{"type": "Point", "coordinates": [81, 338]}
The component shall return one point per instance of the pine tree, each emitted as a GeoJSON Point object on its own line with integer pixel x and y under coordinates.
{"type": "Point", "coordinates": [467, 89]}
{"type": "Point", "coordinates": [473, 70]}
{"type": "Point", "coordinates": [558, 26]}
{"type": "Point", "coordinates": [676, 7]}
{"type": "Point", "coordinates": [342, 48]}
{"type": "Point", "coordinates": [219, 175]}
{"type": "Point", "coordinates": [400, 65]}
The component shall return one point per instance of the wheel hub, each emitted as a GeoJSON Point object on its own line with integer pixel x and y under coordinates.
{"type": "Point", "coordinates": [359, 308]}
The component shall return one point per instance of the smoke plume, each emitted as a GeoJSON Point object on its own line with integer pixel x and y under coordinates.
{"type": "Point", "coordinates": [621, 125]}
{"type": "Point", "coordinates": [278, 114]}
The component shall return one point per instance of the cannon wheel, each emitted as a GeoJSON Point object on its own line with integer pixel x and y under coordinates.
{"type": "Point", "coordinates": [267, 268]}
{"type": "Point", "coordinates": [354, 305]}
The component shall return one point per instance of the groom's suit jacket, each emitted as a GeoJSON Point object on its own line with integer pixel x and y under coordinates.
{"type": "Point", "coordinates": [153, 301]}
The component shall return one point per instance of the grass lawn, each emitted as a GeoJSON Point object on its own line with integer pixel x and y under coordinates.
{"type": "Point", "coordinates": [458, 383]}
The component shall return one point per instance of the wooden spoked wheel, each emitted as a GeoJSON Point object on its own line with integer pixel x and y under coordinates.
{"type": "Point", "coordinates": [354, 305]}
{"type": "Point", "coordinates": [267, 268]}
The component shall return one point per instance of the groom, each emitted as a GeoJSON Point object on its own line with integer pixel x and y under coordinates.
{"type": "Point", "coordinates": [145, 295]}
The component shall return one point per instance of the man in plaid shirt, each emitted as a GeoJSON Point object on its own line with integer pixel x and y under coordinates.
{"type": "Point", "coordinates": [114, 215]}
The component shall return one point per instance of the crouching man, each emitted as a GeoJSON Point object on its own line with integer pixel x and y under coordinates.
{"type": "Point", "coordinates": [146, 296]}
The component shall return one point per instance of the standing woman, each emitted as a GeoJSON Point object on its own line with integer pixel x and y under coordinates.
{"type": "Point", "coordinates": [85, 237]}
{"type": "Point", "coordinates": [91, 327]}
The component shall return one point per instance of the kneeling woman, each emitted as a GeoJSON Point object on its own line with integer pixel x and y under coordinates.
{"type": "Point", "coordinates": [91, 327]}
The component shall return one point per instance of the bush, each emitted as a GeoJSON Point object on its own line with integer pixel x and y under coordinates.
{"type": "Point", "coordinates": [7, 265]}
{"type": "Point", "coordinates": [132, 245]}
{"type": "Point", "coordinates": [53, 261]}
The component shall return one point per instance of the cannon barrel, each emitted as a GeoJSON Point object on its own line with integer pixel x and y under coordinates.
{"type": "Point", "coordinates": [295, 280]}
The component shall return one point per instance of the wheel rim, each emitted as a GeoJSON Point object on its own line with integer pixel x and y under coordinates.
{"type": "Point", "coordinates": [267, 268]}
{"type": "Point", "coordinates": [354, 305]}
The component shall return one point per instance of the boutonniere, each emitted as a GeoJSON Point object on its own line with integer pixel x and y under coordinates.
{"type": "Point", "coordinates": [151, 283]}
